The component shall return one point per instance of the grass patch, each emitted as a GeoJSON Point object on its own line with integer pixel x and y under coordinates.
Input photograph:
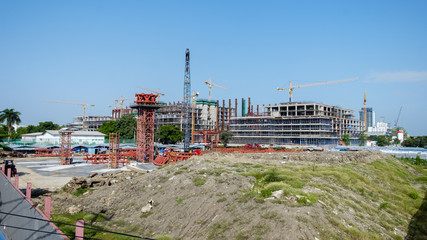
{"type": "Point", "coordinates": [90, 219]}
{"type": "Point", "coordinates": [80, 191]}
{"type": "Point", "coordinates": [223, 199]}
{"type": "Point", "coordinates": [199, 181]}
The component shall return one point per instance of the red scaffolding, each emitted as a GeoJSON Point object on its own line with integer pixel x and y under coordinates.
{"type": "Point", "coordinates": [65, 146]}
{"type": "Point", "coordinates": [114, 141]}
{"type": "Point", "coordinates": [146, 104]}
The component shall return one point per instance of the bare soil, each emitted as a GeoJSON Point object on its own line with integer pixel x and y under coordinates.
{"type": "Point", "coordinates": [207, 197]}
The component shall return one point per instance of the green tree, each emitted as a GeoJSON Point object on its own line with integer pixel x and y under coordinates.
{"type": "Point", "coordinates": [107, 127]}
{"type": "Point", "coordinates": [126, 126]}
{"type": "Point", "coordinates": [225, 137]}
{"type": "Point", "coordinates": [396, 141]}
{"type": "Point", "coordinates": [362, 139]}
{"type": "Point", "coordinates": [383, 141]}
{"type": "Point", "coordinates": [11, 118]}
{"type": "Point", "coordinates": [346, 139]}
{"type": "Point", "coordinates": [169, 134]}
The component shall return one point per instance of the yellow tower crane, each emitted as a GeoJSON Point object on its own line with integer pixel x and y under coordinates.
{"type": "Point", "coordinates": [193, 113]}
{"type": "Point", "coordinates": [84, 104]}
{"type": "Point", "coordinates": [210, 88]}
{"type": "Point", "coordinates": [291, 88]}
{"type": "Point", "coordinates": [121, 100]}
{"type": "Point", "coordinates": [153, 91]}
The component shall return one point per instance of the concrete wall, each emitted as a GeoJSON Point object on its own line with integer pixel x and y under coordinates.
{"type": "Point", "coordinates": [13, 201]}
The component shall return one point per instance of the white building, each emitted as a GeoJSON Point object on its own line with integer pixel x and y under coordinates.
{"type": "Point", "coordinates": [53, 137]}
{"type": "Point", "coordinates": [380, 129]}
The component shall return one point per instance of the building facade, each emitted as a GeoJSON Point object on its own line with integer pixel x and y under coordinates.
{"type": "Point", "coordinates": [53, 137]}
{"type": "Point", "coordinates": [370, 116]}
{"type": "Point", "coordinates": [296, 123]}
{"type": "Point", "coordinates": [92, 123]}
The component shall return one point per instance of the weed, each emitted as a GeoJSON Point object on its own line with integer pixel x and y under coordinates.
{"type": "Point", "coordinates": [80, 191]}
{"type": "Point", "coordinates": [223, 199]}
{"type": "Point", "coordinates": [413, 194]}
{"type": "Point", "coordinates": [270, 215]}
{"type": "Point", "coordinates": [179, 200]}
{"type": "Point", "coordinates": [383, 205]}
{"type": "Point", "coordinates": [199, 181]}
{"type": "Point", "coordinates": [272, 175]}
{"type": "Point", "coordinates": [146, 214]}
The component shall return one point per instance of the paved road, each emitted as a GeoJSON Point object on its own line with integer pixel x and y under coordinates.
{"type": "Point", "coordinates": [78, 168]}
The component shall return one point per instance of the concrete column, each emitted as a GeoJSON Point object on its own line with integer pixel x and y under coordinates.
{"type": "Point", "coordinates": [16, 181]}
{"type": "Point", "coordinates": [28, 193]}
{"type": "Point", "coordinates": [9, 173]}
{"type": "Point", "coordinates": [79, 229]}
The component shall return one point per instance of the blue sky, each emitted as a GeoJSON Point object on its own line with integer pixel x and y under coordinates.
{"type": "Point", "coordinates": [97, 51]}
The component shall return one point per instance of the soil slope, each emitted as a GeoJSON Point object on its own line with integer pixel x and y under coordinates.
{"type": "Point", "coordinates": [341, 195]}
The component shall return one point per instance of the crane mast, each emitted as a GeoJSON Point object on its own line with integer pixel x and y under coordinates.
{"type": "Point", "coordinates": [186, 103]}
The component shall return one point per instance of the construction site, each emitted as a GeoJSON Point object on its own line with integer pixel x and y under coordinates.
{"type": "Point", "coordinates": [279, 172]}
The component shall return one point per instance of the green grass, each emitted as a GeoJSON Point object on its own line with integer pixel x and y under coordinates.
{"type": "Point", "coordinates": [199, 181]}
{"type": "Point", "coordinates": [376, 188]}
{"type": "Point", "coordinates": [90, 219]}
{"type": "Point", "coordinates": [80, 191]}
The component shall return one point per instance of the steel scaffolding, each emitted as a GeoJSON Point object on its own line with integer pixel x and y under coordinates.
{"type": "Point", "coordinates": [113, 158]}
{"type": "Point", "coordinates": [146, 104]}
{"type": "Point", "coordinates": [65, 146]}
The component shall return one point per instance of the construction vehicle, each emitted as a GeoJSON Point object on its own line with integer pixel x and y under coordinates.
{"type": "Point", "coordinates": [84, 104]}
{"type": "Point", "coordinates": [9, 164]}
{"type": "Point", "coordinates": [291, 88]}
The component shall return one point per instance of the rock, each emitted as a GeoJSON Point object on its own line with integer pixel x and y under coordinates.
{"type": "Point", "coordinates": [277, 194]}
{"type": "Point", "coordinates": [148, 207]}
{"type": "Point", "coordinates": [74, 209]}
{"type": "Point", "coordinates": [93, 175]}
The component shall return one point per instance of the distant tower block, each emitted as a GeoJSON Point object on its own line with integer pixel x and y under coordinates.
{"type": "Point", "coordinates": [146, 104]}
{"type": "Point", "coordinates": [65, 146]}
{"type": "Point", "coordinates": [114, 142]}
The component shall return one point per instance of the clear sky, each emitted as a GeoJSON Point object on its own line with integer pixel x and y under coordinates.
{"type": "Point", "coordinates": [97, 51]}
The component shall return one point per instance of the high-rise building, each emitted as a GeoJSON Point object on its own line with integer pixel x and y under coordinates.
{"type": "Point", "coordinates": [370, 116]}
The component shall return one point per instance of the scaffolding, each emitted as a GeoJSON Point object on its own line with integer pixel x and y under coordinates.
{"type": "Point", "coordinates": [146, 105]}
{"type": "Point", "coordinates": [113, 157]}
{"type": "Point", "coordinates": [65, 146]}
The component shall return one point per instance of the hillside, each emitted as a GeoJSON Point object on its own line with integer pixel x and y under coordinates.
{"type": "Point", "coordinates": [343, 195]}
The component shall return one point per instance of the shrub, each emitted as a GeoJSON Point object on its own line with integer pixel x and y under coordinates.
{"type": "Point", "coordinates": [413, 194]}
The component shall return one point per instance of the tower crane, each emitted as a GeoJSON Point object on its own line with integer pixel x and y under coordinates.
{"type": "Point", "coordinates": [192, 113]}
{"type": "Point", "coordinates": [121, 103]}
{"type": "Point", "coordinates": [398, 116]}
{"type": "Point", "coordinates": [153, 91]}
{"type": "Point", "coordinates": [291, 88]}
{"type": "Point", "coordinates": [210, 87]}
{"type": "Point", "coordinates": [84, 104]}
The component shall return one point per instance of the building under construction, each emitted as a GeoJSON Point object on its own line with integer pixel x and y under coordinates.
{"type": "Point", "coordinates": [205, 113]}
{"type": "Point", "coordinates": [296, 123]}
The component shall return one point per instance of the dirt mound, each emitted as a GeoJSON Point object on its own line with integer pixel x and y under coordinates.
{"type": "Point", "coordinates": [250, 196]}
{"type": "Point", "coordinates": [98, 180]}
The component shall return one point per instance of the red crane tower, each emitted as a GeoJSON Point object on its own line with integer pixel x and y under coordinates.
{"type": "Point", "coordinates": [146, 104]}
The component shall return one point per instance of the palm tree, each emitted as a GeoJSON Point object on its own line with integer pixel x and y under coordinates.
{"type": "Point", "coordinates": [11, 118]}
